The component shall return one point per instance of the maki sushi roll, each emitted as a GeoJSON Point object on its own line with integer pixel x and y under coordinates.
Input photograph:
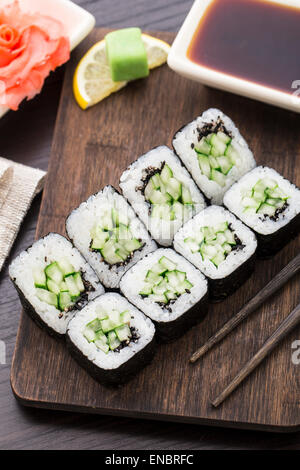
{"type": "Point", "coordinates": [220, 246]}
{"type": "Point", "coordinates": [214, 152]}
{"type": "Point", "coordinates": [109, 235]}
{"type": "Point", "coordinates": [162, 193]}
{"type": "Point", "coordinates": [111, 339]}
{"type": "Point", "coordinates": [269, 204]}
{"type": "Point", "coordinates": [53, 282]}
{"type": "Point", "coordinates": [169, 290]}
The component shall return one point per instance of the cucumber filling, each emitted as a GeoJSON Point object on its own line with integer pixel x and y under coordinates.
{"type": "Point", "coordinates": [112, 237]}
{"type": "Point", "coordinates": [216, 154]}
{"type": "Point", "coordinates": [59, 285]}
{"type": "Point", "coordinates": [265, 198]}
{"type": "Point", "coordinates": [110, 331]}
{"type": "Point", "coordinates": [164, 283]}
{"type": "Point", "coordinates": [214, 243]}
{"type": "Point", "coordinates": [169, 198]}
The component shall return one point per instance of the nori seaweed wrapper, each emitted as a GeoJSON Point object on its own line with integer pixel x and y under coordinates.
{"type": "Point", "coordinates": [219, 289]}
{"type": "Point", "coordinates": [172, 330]}
{"type": "Point", "coordinates": [118, 376]}
{"type": "Point", "coordinates": [269, 245]}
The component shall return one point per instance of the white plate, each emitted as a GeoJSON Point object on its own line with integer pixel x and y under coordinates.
{"type": "Point", "coordinates": [179, 62]}
{"type": "Point", "coordinates": [78, 22]}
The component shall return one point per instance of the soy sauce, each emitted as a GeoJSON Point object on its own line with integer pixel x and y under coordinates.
{"type": "Point", "coordinates": [256, 40]}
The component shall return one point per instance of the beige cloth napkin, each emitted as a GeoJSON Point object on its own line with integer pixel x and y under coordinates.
{"type": "Point", "coordinates": [18, 186]}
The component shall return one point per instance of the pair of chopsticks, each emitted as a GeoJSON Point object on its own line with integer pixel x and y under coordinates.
{"type": "Point", "coordinates": [282, 331]}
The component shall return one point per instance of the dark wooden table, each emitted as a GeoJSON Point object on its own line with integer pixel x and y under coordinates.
{"type": "Point", "coordinates": [25, 137]}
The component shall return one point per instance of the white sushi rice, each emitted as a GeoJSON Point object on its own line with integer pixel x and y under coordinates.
{"type": "Point", "coordinates": [259, 223]}
{"type": "Point", "coordinates": [133, 281]}
{"type": "Point", "coordinates": [188, 136]}
{"type": "Point", "coordinates": [112, 360]}
{"type": "Point", "coordinates": [51, 248]}
{"type": "Point", "coordinates": [81, 221]}
{"type": "Point", "coordinates": [211, 217]}
{"type": "Point", "coordinates": [161, 230]}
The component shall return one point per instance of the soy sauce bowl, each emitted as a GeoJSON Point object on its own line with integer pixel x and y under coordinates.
{"type": "Point", "coordinates": [287, 96]}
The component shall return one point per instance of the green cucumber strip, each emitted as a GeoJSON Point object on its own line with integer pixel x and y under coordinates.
{"type": "Point", "coordinates": [162, 211]}
{"type": "Point", "coordinates": [224, 137]}
{"type": "Point", "coordinates": [115, 217]}
{"type": "Point", "coordinates": [224, 164]}
{"type": "Point", "coordinates": [64, 300]}
{"type": "Point", "coordinates": [153, 276]}
{"type": "Point", "coordinates": [106, 220]}
{"type": "Point", "coordinates": [89, 334]}
{"type": "Point", "coordinates": [101, 313]}
{"type": "Point", "coordinates": [233, 154]}
{"type": "Point", "coordinates": [186, 195]}
{"type": "Point", "coordinates": [45, 296]}
{"type": "Point", "coordinates": [266, 209]}
{"type": "Point", "coordinates": [204, 165]}
{"type": "Point", "coordinates": [166, 263]}
{"type": "Point", "coordinates": [72, 287]}
{"type": "Point", "coordinates": [99, 240]}
{"type": "Point", "coordinates": [218, 177]}
{"type": "Point", "coordinates": [156, 181]}
{"type": "Point", "coordinates": [66, 267]}
{"type": "Point", "coordinates": [79, 283]}
{"type": "Point", "coordinates": [160, 298]}
{"type": "Point", "coordinates": [109, 253]}
{"type": "Point", "coordinates": [203, 147]}
{"type": "Point", "coordinates": [170, 295]}
{"type": "Point", "coordinates": [156, 197]}
{"type": "Point", "coordinates": [122, 252]}
{"type": "Point", "coordinates": [123, 333]}
{"type": "Point", "coordinates": [125, 317]}
{"type": "Point", "coordinates": [115, 318]}
{"type": "Point", "coordinates": [113, 341]}
{"type": "Point", "coordinates": [218, 147]}
{"type": "Point", "coordinates": [217, 260]}
{"type": "Point", "coordinates": [230, 237]}
{"type": "Point", "coordinates": [53, 272]}
{"type": "Point", "coordinates": [132, 245]}
{"type": "Point", "coordinates": [95, 325]}
{"type": "Point", "coordinates": [101, 345]}
{"type": "Point", "coordinates": [107, 325]}
{"type": "Point", "coordinates": [192, 244]}
{"type": "Point", "coordinates": [174, 188]}
{"type": "Point", "coordinates": [147, 289]}
{"type": "Point", "coordinates": [39, 278]}
{"type": "Point", "coordinates": [63, 287]}
{"type": "Point", "coordinates": [181, 276]}
{"type": "Point", "coordinates": [53, 287]}
{"type": "Point", "coordinates": [214, 163]}
{"type": "Point", "coordinates": [160, 288]}
{"type": "Point", "coordinates": [166, 174]}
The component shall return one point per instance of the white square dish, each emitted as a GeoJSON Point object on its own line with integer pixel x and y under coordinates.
{"type": "Point", "coordinates": [78, 22]}
{"type": "Point", "coordinates": [179, 61]}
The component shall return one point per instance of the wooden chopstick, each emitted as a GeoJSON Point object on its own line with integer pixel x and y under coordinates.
{"type": "Point", "coordinates": [273, 286]}
{"type": "Point", "coordinates": [282, 331]}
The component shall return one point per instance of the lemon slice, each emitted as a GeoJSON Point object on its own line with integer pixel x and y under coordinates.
{"type": "Point", "coordinates": [92, 81]}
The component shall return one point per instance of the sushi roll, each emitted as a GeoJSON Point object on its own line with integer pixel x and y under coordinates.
{"type": "Point", "coordinates": [53, 282]}
{"type": "Point", "coordinates": [169, 290]}
{"type": "Point", "coordinates": [109, 235]}
{"type": "Point", "coordinates": [214, 152]}
{"type": "Point", "coordinates": [162, 193]}
{"type": "Point", "coordinates": [111, 339]}
{"type": "Point", "coordinates": [221, 246]}
{"type": "Point", "coordinates": [269, 204]}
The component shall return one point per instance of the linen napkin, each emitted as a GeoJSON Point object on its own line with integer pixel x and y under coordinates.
{"type": "Point", "coordinates": [19, 184]}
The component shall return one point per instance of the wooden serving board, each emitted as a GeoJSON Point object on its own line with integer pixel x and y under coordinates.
{"type": "Point", "coordinates": [90, 150]}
